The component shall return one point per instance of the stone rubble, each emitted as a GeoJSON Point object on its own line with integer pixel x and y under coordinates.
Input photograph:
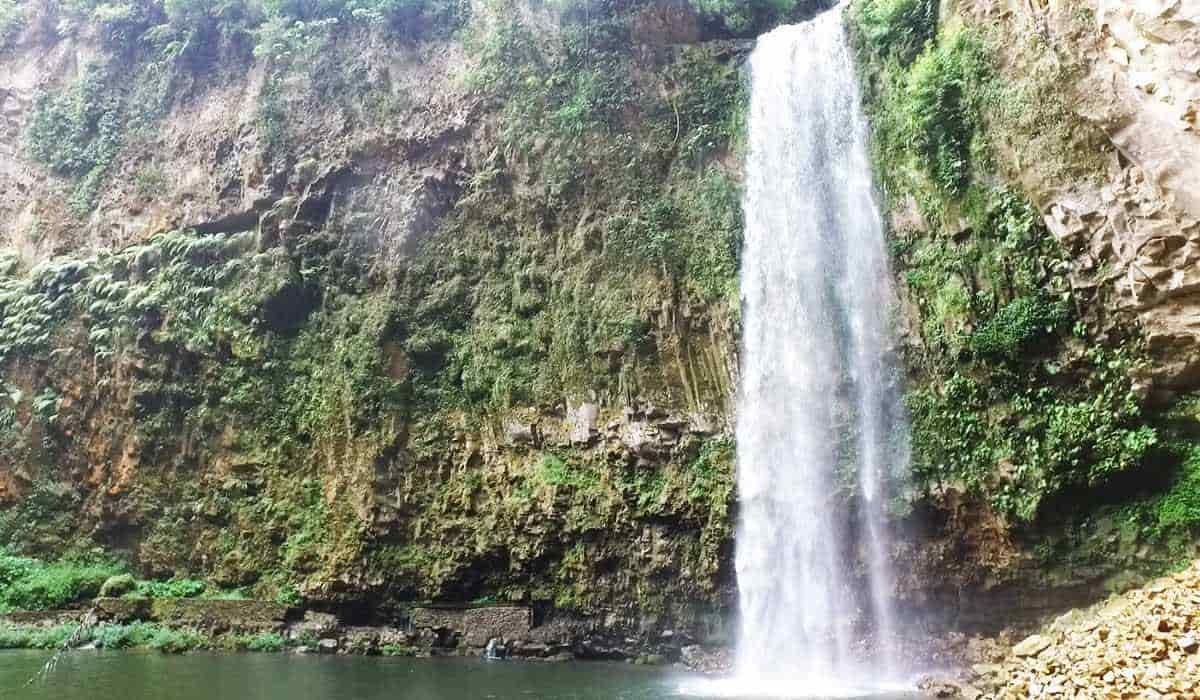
{"type": "Point", "coordinates": [1143, 644]}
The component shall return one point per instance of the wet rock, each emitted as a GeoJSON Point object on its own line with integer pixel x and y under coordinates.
{"type": "Point", "coordinates": [371, 640]}
{"type": "Point", "coordinates": [650, 660]}
{"type": "Point", "coordinates": [533, 650]}
{"type": "Point", "coordinates": [640, 438]}
{"type": "Point", "coordinates": [706, 660]}
{"type": "Point", "coordinates": [327, 646]}
{"type": "Point", "coordinates": [946, 688]}
{"type": "Point", "coordinates": [702, 424]}
{"type": "Point", "coordinates": [314, 624]}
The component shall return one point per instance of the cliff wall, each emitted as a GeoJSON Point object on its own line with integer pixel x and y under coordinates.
{"type": "Point", "coordinates": [364, 303]}
{"type": "Point", "coordinates": [354, 302]}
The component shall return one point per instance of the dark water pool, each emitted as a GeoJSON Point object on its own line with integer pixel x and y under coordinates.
{"type": "Point", "coordinates": [105, 675]}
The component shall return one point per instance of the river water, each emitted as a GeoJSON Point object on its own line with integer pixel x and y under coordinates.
{"type": "Point", "coordinates": [133, 675]}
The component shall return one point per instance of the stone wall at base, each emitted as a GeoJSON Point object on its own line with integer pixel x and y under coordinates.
{"type": "Point", "coordinates": [428, 630]}
{"type": "Point", "coordinates": [214, 616]}
{"type": "Point", "coordinates": [473, 627]}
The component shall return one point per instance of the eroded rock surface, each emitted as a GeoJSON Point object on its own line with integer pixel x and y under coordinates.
{"type": "Point", "coordinates": [1133, 226]}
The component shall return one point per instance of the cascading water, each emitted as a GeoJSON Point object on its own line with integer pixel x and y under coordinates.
{"type": "Point", "coordinates": [818, 410]}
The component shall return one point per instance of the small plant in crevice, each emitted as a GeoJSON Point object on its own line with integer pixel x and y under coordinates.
{"type": "Point", "coordinates": [173, 588]}
{"type": "Point", "coordinates": [710, 475]}
{"type": "Point", "coordinates": [555, 471]}
{"type": "Point", "coordinates": [1179, 506]}
{"type": "Point", "coordinates": [1012, 330]}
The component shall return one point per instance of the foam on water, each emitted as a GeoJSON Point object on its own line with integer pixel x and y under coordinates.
{"type": "Point", "coordinates": [741, 688]}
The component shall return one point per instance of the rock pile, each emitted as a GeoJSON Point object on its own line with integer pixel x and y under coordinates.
{"type": "Point", "coordinates": [1143, 644]}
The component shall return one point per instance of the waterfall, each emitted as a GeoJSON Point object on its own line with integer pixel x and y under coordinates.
{"type": "Point", "coordinates": [820, 425]}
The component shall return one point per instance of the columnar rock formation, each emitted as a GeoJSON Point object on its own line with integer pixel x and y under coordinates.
{"type": "Point", "coordinates": [1132, 224]}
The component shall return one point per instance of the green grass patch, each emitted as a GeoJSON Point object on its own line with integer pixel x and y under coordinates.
{"type": "Point", "coordinates": [29, 584]}
{"type": "Point", "coordinates": [556, 471]}
{"type": "Point", "coordinates": [124, 636]}
{"type": "Point", "coordinates": [31, 637]}
{"type": "Point", "coordinates": [172, 641]}
{"type": "Point", "coordinates": [262, 642]}
{"type": "Point", "coordinates": [173, 588]}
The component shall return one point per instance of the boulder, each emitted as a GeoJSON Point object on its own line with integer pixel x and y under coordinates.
{"type": "Point", "coordinates": [520, 433]}
{"type": "Point", "coordinates": [706, 660]}
{"type": "Point", "coordinates": [946, 688]}
{"type": "Point", "coordinates": [115, 586]}
{"type": "Point", "coordinates": [581, 420]}
{"type": "Point", "coordinates": [1031, 646]}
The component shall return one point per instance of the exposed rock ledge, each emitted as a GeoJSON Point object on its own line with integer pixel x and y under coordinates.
{"type": "Point", "coordinates": [432, 630]}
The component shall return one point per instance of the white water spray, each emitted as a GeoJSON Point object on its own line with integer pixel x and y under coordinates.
{"type": "Point", "coordinates": [818, 409]}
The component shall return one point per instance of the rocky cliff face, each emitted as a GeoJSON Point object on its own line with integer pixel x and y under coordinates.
{"type": "Point", "coordinates": [366, 305]}
{"type": "Point", "coordinates": [1131, 227]}
{"type": "Point", "coordinates": [1038, 160]}
{"type": "Point", "coordinates": [356, 307]}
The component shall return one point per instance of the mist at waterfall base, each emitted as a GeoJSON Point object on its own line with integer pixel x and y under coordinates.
{"type": "Point", "coordinates": [819, 405]}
